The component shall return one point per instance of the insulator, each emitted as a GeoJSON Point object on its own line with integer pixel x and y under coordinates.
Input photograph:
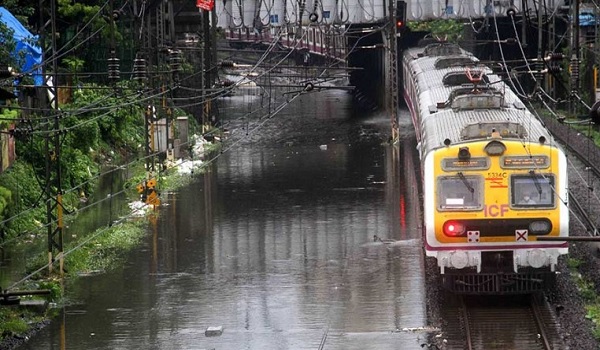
{"type": "Point", "coordinates": [114, 72]}
{"type": "Point", "coordinates": [540, 70]}
{"type": "Point", "coordinates": [175, 60]}
{"type": "Point", "coordinates": [139, 69]}
{"type": "Point", "coordinates": [554, 56]}
{"type": "Point", "coordinates": [575, 68]}
{"type": "Point", "coordinates": [227, 64]}
{"type": "Point", "coordinates": [554, 68]}
{"type": "Point", "coordinates": [116, 14]}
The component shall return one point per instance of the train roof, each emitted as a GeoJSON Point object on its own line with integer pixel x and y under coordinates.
{"type": "Point", "coordinates": [460, 99]}
{"type": "Point", "coordinates": [431, 78]}
{"type": "Point", "coordinates": [468, 125]}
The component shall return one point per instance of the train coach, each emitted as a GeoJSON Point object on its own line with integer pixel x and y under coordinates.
{"type": "Point", "coordinates": [493, 178]}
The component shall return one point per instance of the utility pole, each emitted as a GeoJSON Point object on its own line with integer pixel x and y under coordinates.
{"type": "Point", "coordinates": [551, 45]}
{"type": "Point", "coordinates": [574, 82]}
{"type": "Point", "coordinates": [594, 61]}
{"type": "Point", "coordinates": [49, 101]}
{"type": "Point", "coordinates": [392, 53]}
{"type": "Point", "coordinates": [147, 189]}
{"type": "Point", "coordinates": [540, 50]}
{"type": "Point", "coordinates": [206, 69]}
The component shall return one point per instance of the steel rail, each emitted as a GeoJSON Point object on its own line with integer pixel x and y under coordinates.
{"type": "Point", "coordinates": [537, 314]}
{"type": "Point", "coordinates": [465, 315]}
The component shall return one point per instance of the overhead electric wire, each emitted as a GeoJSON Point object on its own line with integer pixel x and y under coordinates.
{"type": "Point", "coordinates": [504, 65]}
{"type": "Point", "coordinates": [251, 70]}
{"type": "Point", "coordinates": [58, 54]}
{"type": "Point", "coordinates": [226, 149]}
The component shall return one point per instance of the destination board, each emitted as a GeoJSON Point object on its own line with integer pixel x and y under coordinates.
{"type": "Point", "coordinates": [475, 163]}
{"type": "Point", "coordinates": [525, 162]}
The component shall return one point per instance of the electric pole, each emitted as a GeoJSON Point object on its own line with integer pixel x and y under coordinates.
{"type": "Point", "coordinates": [574, 82]}
{"type": "Point", "coordinates": [48, 96]}
{"type": "Point", "coordinates": [397, 11]}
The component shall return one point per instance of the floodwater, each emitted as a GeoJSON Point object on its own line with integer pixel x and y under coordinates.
{"type": "Point", "coordinates": [302, 234]}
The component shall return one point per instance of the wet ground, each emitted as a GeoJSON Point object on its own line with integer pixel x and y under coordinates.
{"type": "Point", "coordinates": [302, 235]}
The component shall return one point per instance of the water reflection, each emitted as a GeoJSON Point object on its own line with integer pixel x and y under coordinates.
{"type": "Point", "coordinates": [275, 244]}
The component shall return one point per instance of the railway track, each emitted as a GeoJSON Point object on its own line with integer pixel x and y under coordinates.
{"type": "Point", "coordinates": [524, 322]}
{"type": "Point", "coordinates": [580, 200]}
{"type": "Point", "coordinates": [527, 323]}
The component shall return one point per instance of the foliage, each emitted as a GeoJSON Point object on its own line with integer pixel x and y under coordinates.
{"type": "Point", "coordinates": [7, 117]}
{"type": "Point", "coordinates": [54, 286]}
{"type": "Point", "coordinates": [119, 123]}
{"type": "Point", "coordinates": [7, 46]}
{"type": "Point", "coordinates": [102, 253]}
{"type": "Point", "coordinates": [78, 172]}
{"type": "Point", "coordinates": [15, 321]}
{"type": "Point", "coordinates": [26, 198]}
{"type": "Point", "coordinates": [8, 54]}
{"type": "Point", "coordinates": [587, 291]}
{"type": "Point", "coordinates": [21, 9]}
{"type": "Point", "coordinates": [11, 323]}
{"type": "Point", "coordinates": [78, 13]}
{"type": "Point", "coordinates": [593, 313]}
{"type": "Point", "coordinates": [573, 263]}
{"type": "Point", "coordinates": [5, 198]}
{"type": "Point", "coordinates": [74, 66]}
{"type": "Point", "coordinates": [106, 251]}
{"type": "Point", "coordinates": [441, 29]}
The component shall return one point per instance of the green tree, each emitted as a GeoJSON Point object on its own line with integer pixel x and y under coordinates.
{"type": "Point", "coordinates": [441, 29]}
{"type": "Point", "coordinates": [21, 9]}
{"type": "Point", "coordinates": [7, 45]}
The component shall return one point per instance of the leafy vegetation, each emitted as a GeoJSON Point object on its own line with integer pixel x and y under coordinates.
{"type": "Point", "coordinates": [106, 251]}
{"type": "Point", "coordinates": [12, 322]}
{"type": "Point", "coordinates": [441, 29]}
{"type": "Point", "coordinates": [8, 45]}
{"type": "Point", "coordinates": [587, 290]}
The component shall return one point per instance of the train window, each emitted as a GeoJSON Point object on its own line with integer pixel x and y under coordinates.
{"type": "Point", "coordinates": [461, 192]}
{"type": "Point", "coordinates": [532, 190]}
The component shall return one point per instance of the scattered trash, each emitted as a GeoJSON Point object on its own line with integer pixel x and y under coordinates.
{"type": "Point", "coordinates": [213, 331]}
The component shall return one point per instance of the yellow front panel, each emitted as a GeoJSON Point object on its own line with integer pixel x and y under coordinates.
{"type": "Point", "coordinates": [496, 186]}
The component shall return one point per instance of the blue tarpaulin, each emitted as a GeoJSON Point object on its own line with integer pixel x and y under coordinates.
{"type": "Point", "coordinates": [25, 45]}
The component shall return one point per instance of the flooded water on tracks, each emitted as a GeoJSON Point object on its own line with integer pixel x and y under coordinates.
{"type": "Point", "coordinates": [303, 235]}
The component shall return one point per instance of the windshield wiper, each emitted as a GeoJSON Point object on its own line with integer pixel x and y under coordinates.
{"type": "Point", "coordinates": [466, 182]}
{"type": "Point", "coordinates": [536, 182]}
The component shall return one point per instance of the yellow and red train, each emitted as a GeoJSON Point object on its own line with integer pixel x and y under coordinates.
{"type": "Point", "coordinates": [493, 178]}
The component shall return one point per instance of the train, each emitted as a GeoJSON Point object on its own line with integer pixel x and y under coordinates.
{"type": "Point", "coordinates": [493, 178]}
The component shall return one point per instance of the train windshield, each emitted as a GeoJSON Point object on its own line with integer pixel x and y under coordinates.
{"type": "Point", "coordinates": [532, 190]}
{"type": "Point", "coordinates": [461, 192]}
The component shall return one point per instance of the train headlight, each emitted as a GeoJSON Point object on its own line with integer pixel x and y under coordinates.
{"type": "Point", "coordinates": [537, 258]}
{"type": "Point", "coordinates": [495, 148]}
{"type": "Point", "coordinates": [540, 227]}
{"type": "Point", "coordinates": [464, 154]}
{"type": "Point", "coordinates": [454, 229]}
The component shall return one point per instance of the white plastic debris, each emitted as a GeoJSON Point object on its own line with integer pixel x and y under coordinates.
{"type": "Point", "coordinates": [213, 331]}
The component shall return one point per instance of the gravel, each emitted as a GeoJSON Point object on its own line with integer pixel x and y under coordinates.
{"type": "Point", "coordinates": [569, 304]}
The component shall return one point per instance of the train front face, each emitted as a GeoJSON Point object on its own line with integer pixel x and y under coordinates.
{"type": "Point", "coordinates": [486, 203]}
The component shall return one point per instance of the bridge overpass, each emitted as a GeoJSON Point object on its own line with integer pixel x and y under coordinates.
{"type": "Point", "coordinates": [238, 14]}
{"type": "Point", "coordinates": [358, 34]}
